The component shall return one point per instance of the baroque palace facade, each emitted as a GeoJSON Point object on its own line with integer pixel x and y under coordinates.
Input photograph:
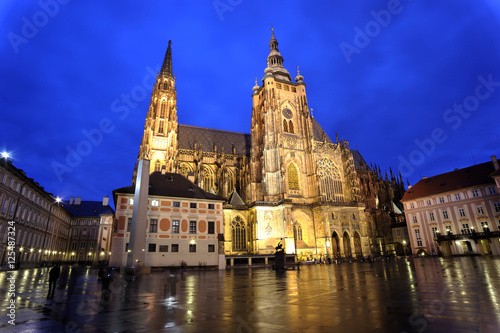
{"type": "Point", "coordinates": [286, 181]}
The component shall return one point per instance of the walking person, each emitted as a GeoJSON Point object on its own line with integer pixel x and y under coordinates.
{"type": "Point", "coordinates": [53, 276]}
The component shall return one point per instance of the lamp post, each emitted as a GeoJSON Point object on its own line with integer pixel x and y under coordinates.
{"type": "Point", "coordinates": [58, 200]}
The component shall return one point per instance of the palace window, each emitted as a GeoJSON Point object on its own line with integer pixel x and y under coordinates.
{"type": "Point", "coordinates": [434, 231]}
{"type": "Point", "coordinates": [152, 248]}
{"type": "Point", "coordinates": [497, 207]}
{"type": "Point", "coordinates": [239, 234]}
{"type": "Point", "coordinates": [153, 225]}
{"type": "Point", "coordinates": [175, 228]}
{"type": "Point", "coordinates": [445, 214]}
{"type": "Point", "coordinates": [192, 227]}
{"type": "Point", "coordinates": [192, 247]}
{"type": "Point", "coordinates": [492, 190]}
{"type": "Point", "coordinates": [175, 247]}
{"type": "Point", "coordinates": [475, 193]}
{"type": "Point", "coordinates": [211, 248]}
{"type": "Point", "coordinates": [176, 204]}
{"type": "Point", "coordinates": [163, 248]}
{"type": "Point", "coordinates": [457, 196]}
{"type": "Point", "coordinates": [485, 227]}
{"type": "Point", "coordinates": [415, 219]}
{"type": "Point", "coordinates": [293, 177]}
{"type": "Point", "coordinates": [211, 227]}
{"type": "Point", "coordinates": [480, 210]}
{"type": "Point", "coordinates": [465, 228]}
{"type": "Point", "coordinates": [129, 224]}
{"type": "Point", "coordinates": [211, 206]}
{"type": "Point", "coordinates": [155, 203]}
{"type": "Point", "coordinates": [441, 200]}
{"type": "Point", "coordinates": [5, 205]}
{"type": "Point", "coordinates": [418, 237]}
{"type": "Point", "coordinates": [429, 203]}
{"type": "Point", "coordinates": [192, 205]}
{"type": "Point", "coordinates": [461, 212]}
{"type": "Point", "coordinates": [431, 216]}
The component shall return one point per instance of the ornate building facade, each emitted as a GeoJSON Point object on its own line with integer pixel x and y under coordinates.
{"type": "Point", "coordinates": [285, 181]}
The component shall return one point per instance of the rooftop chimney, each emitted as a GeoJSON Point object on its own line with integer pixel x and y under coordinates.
{"type": "Point", "coordinates": [495, 162]}
{"type": "Point", "coordinates": [105, 201]}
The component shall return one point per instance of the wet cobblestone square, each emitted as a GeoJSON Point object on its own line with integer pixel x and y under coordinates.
{"type": "Point", "coordinates": [405, 295]}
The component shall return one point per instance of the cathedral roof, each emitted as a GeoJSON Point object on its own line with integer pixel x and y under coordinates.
{"type": "Point", "coordinates": [319, 132]}
{"type": "Point", "coordinates": [460, 178]}
{"type": "Point", "coordinates": [211, 138]}
{"type": "Point", "coordinates": [359, 161]}
{"type": "Point", "coordinates": [235, 199]}
{"type": "Point", "coordinates": [171, 185]}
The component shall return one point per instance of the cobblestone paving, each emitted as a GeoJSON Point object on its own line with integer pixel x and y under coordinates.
{"type": "Point", "coordinates": [414, 295]}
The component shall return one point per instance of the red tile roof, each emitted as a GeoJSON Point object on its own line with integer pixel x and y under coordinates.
{"type": "Point", "coordinates": [462, 178]}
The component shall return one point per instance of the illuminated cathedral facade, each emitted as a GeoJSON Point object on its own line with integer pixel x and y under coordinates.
{"type": "Point", "coordinates": [286, 181]}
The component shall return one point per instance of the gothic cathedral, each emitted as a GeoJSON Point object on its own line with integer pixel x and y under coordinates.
{"type": "Point", "coordinates": [286, 182]}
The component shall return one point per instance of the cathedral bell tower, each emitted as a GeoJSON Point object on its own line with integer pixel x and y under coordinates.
{"type": "Point", "coordinates": [159, 141]}
{"type": "Point", "coordinates": [281, 162]}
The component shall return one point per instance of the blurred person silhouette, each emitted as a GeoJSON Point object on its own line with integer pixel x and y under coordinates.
{"type": "Point", "coordinates": [53, 276]}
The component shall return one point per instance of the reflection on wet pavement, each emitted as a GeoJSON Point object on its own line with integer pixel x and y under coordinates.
{"type": "Point", "coordinates": [414, 295]}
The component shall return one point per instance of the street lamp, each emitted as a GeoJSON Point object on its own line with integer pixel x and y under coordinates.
{"type": "Point", "coordinates": [58, 200]}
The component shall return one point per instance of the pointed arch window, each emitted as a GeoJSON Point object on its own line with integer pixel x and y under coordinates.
{"type": "Point", "coordinates": [185, 169]}
{"type": "Point", "coordinates": [160, 127]}
{"type": "Point", "coordinates": [297, 232]}
{"type": "Point", "coordinates": [208, 178]}
{"type": "Point", "coordinates": [157, 165]}
{"type": "Point", "coordinates": [165, 84]}
{"type": "Point", "coordinates": [293, 177]}
{"type": "Point", "coordinates": [290, 127]}
{"type": "Point", "coordinates": [230, 181]}
{"type": "Point", "coordinates": [238, 233]}
{"type": "Point", "coordinates": [285, 125]}
{"type": "Point", "coordinates": [330, 181]}
{"type": "Point", "coordinates": [163, 108]}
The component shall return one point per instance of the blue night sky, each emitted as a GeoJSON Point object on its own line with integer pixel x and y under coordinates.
{"type": "Point", "coordinates": [413, 85]}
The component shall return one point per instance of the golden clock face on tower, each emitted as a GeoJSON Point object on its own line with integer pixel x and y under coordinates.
{"type": "Point", "coordinates": [287, 113]}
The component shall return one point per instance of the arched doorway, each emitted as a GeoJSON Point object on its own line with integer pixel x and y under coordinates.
{"type": "Point", "coordinates": [335, 245]}
{"type": "Point", "coordinates": [347, 245]}
{"type": "Point", "coordinates": [399, 249]}
{"type": "Point", "coordinates": [357, 245]}
{"type": "Point", "coordinates": [467, 247]}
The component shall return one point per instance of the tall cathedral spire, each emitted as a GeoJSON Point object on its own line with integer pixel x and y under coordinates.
{"type": "Point", "coordinates": [275, 61]}
{"type": "Point", "coordinates": [166, 69]}
{"type": "Point", "coordinates": [159, 141]}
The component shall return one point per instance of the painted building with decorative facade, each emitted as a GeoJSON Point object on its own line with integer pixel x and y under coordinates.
{"type": "Point", "coordinates": [456, 213]}
{"type": "Point", "coordinates": [285, 181]}
{"type": "Point", "coordinates": [183, 224]}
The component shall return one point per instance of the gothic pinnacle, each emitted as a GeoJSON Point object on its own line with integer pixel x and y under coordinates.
{"type": "Point", "coordinates": [167, 61]}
